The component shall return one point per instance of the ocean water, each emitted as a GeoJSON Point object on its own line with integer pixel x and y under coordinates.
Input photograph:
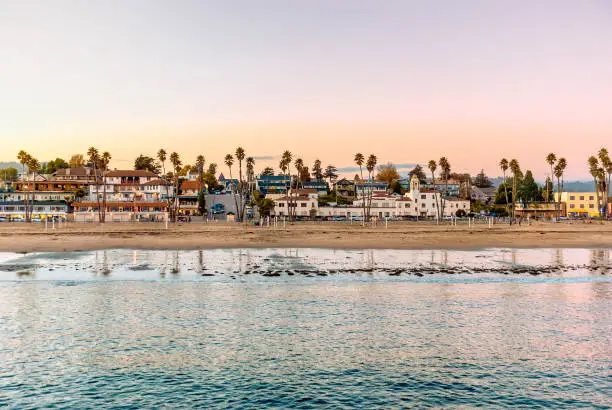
{"type": "Point", "coordinates": [306, 328]}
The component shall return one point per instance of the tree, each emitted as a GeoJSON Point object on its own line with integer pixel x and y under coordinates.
{"type": "Point", "coordinates": [103, 166]}
{"type": "Point", "coordinates": [94, 158]}
{"type": "Point", "coordinates": [396, 187]}
{"type": "Point", "coordinates": [370, 166]}
{"type": "Point", "coordinates": [433, 166]}
{"type": "Point", "coordinates": [359, 160]}
{"type": "Point", "coordinates": [503, 195]}
{"type": "Point", "coordinates": [9, 174]}
{"type": "Point", "coordinates": [331, 173]}
{"type": "Point", "coordinates": [264, 205]}
{"type": "Point", "coordinates": [212, 168]}
{"type": "Point", "coordinates": [202, 203]}
{"type": "Point", "coordinates": [516, 177]}
{"type": "Point", "coordinates": [145, 163]}
{"type": "Point", "coordinates": [528, 190]}
{"type": "Point", "coordinates": [176, 162]}
{"type": "Point", "coordinates": [33, 170]}
{"type": "Point", "coordinates": [305, 175]}
{"type": "Point", "coordinates": [598, 174]}
{"type": "Point", "coordinates": [268, 171]}
{"type": "Point", "coordinates": [317, 171]}
{"type": "Point", "coordinates": [53, 165]}
{"type": "Point", "coordinates": [76, 161]}
{"type": "Point", "coordinates": [199, 166]}
{"type": "Point", "coordinates": [482, 181]}
{"type": "Point", "coordinates": [161, 157]}
{"type": "Point", "coordinates": [503, 164]}
{"type": "Point", "coordinates": [606, 165]}
{"type": "Point", "coordinates": [250, 166]}
{"type": "Point", "coordinates": [388, 173]}
{"type": "Point", "coordinates": [550, 159]}
{"type": "Point", "coordinates": [418, 171]}
{"type": "Point", "coordinates": [284, 164]}
{"type": "Point", "coordinates": [299, 166]}
{"type": "Point", "coordinates": [558, 172]}
{"type": "Point", "coordinates": [445, 169]}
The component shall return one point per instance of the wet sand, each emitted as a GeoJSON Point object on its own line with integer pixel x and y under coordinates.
{"type": "Point", "coordinates": [398, 235]}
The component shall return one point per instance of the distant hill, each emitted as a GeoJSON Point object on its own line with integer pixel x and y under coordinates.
{"type": "Point", "coordinates": [13, 164]}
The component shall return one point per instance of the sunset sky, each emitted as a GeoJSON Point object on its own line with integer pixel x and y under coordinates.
{"type": "Point", "coordinates": [406, 80]}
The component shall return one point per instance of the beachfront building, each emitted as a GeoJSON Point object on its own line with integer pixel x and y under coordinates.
{"type": "Point", "coordinates": [40, 210]}
{"type": "Point", "coordinates": [536, 210]}
{"type": "Point", "coordinates": [484, 195]}
{"type": "Point", "coordinates": [345, 188]}
{"type": "Point", "coordinates": [188, 198]}
{"type": "Point", "coordinates": [366, 187]}
{"type": "Point", "coordinates": [578, 204]}
{"type": "Point", "coordinates": [84, 175]}
{"type": "Point", "coordinates": [321, 187]}
{"type": "Point", "coordinates": [229, 184]}
{"type": "Point", "coordinates": [424, 202]}
{"type": "Point", "coordinates": [301, 203]}
{"type": "Point", "coordinates": [130, 195]}
{"type": "Point", "coordinates": [272, 184]}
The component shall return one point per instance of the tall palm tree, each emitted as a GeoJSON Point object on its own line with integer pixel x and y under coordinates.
{"type": "Point", "coordinates": [606, 164]}
{"type": "Point", "coordinates": [550, 159]}
{"type": "Point", "coordinates": [94, 159]}
{"type": "Point", "coordinates": [516, 174]}
{"type": "Point", "coordinates": [359, 160]}
{"type": "Point", "coordinates": [229, 161]}
{"type": "Point", "coordinates": [445, 169]}
{"type": "Point", "coordinates": [598, 174]}
{"type": "Point", "coordinates": [433, 166]}
{"type": "Point", "coordinates": [370, 166]}
{"type": "Point", "coordinates": [299, 166]}
{"type": "Point", "coordinates": [558, 173]}
{"type": "Point", "coordinates": [200, 162]}
{"type": "Point", "coordinates": [503, 164]}
{"type": "Point", "coordinates": [240, 157]}
{"type": "Point", "coordinates": [176, 162]}
{"type": "Point", "coordinates": [33, 170]}
{"type": "Point", "coordinates": [24, 158]}
{"type": "Point", "coordinates": [162, 156]}
{"type": "Point", "coordinates": [561, 165]}
{"type": "Point", "coordinates": [250, 168]}
{"type": "Point", "coordinates": [285, 162]}
{"type": "Point", "coordinates": [104, 161]}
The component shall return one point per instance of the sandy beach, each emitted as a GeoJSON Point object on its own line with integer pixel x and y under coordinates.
{"type": "Point", "coordinates": [397, 235]}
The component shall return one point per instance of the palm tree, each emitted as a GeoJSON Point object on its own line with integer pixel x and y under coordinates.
{"type": "Point", "coordinates": [104, 161]}
{"type": "Point", "coordinates": [558, 173]}
{"type": "Point", "coordinates": [161, 156]}
{"type": "Point", "coordinates": [176, 162]}
{"type": "Point", "coordinates": [299, 166]}
{"type": "Point", "coordinates": [359, 159]}
{"type": "Point", "coordinates": [445, 169]}
{"type": "Point", "coordinates": [433, 165]}
{"type": "Point", "coordinates": [503, 164]}
{"type": "Point", "coordinates": [550, 159]}
{"type": "Point", "coordinates": [606, 164]}
{"type": "Point", "coordinates": [250, 167]}
{"type": "Point", "coordinates": [370, 166]}
{"type": "Point", "coordinates": [33, 169]}
{"type": "Point", "coordinates": [94, 158]}
{"type": "Point", "coordinates": [240, 157]}
{"type": "Point", "coordinates": [229, 161]}
{"type": "Point", "coordinates": [598, 175]}
{"type": "Point", "coordinates": [24, 158]}
{"type": "Point", "coordinates": [516, 173]}
{"type": "Point", "coordinates": [200, 162]}
{"type": "Point", "coordinates": [285, 161]}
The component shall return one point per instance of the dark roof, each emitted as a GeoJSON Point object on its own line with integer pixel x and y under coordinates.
{"type": "Point", "coordinates": [80, 171]}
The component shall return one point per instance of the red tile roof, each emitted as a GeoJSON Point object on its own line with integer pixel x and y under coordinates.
{"type": "Point", "coordinates": [129, 173]}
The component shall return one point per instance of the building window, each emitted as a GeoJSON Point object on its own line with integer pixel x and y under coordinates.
{"type": "Point", "coordinates": [591, 206]}
{"type": "Point", "coordinates": [281, 205]}
{"type": "Point", "coordinates": [422, 196]}
{"type": "Point", "coordinates": [572, 197]}
{"type": "Point", "coordinates": [572, 206]}
{"type": "Point", "coordinates": [304, 204]}
{"type": "Point", "coordinates": [591, 198]}
{"type": "Point", "coordinates": [423, 205]}
{"type": "Point", "coordinates": [581, 206]}
{"type": "Point", "coordinates": [582, 198]}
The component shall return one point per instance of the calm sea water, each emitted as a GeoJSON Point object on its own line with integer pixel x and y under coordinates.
{"type": "Point", "coordinates": [307, 328]}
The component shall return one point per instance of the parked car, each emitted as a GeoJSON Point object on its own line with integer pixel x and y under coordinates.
{"type": "Point", "coordinates": [338, 218]}
{"type": "Point", "coordinates": [356, 218]}
{"type": "Point", "coordinates": [218, 209]}
{"type": "Point", "coordinates": [3, 219]}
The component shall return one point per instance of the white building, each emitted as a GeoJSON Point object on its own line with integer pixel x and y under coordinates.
{"type": "Point", "coordinates": [132, 185]}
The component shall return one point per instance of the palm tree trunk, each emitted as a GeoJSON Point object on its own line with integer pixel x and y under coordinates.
{"type": "Point", "coordinates": [506, 192]}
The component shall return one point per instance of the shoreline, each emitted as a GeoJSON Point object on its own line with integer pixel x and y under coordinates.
{"type": "Point", "coordinates": [399, 235]}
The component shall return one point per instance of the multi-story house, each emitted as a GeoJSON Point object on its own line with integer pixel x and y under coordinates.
{"type": "Point", "coordinates": [345, 188]}
{"type": "Point", "coordinates": [580, 203]}
{"type": "Point", "coordinates": [321, 187]}
{"type": "Point", "coordinates": [129, 195]}
{"type": "Point", "coordinates": [272, 184]}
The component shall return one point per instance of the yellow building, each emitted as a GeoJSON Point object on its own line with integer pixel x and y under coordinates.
{"type": "Point", "coordinates": [580, 203]}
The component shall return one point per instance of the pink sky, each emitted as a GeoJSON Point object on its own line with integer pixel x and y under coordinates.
{"type": "Point", "coordinates": [406, 80]}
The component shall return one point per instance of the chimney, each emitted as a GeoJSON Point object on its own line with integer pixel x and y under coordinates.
{"type": "Point", "coordinates": [67, 171]}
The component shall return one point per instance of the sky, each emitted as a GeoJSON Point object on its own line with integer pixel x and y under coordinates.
{"type": "Point", "coordinates": [407, 80]}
